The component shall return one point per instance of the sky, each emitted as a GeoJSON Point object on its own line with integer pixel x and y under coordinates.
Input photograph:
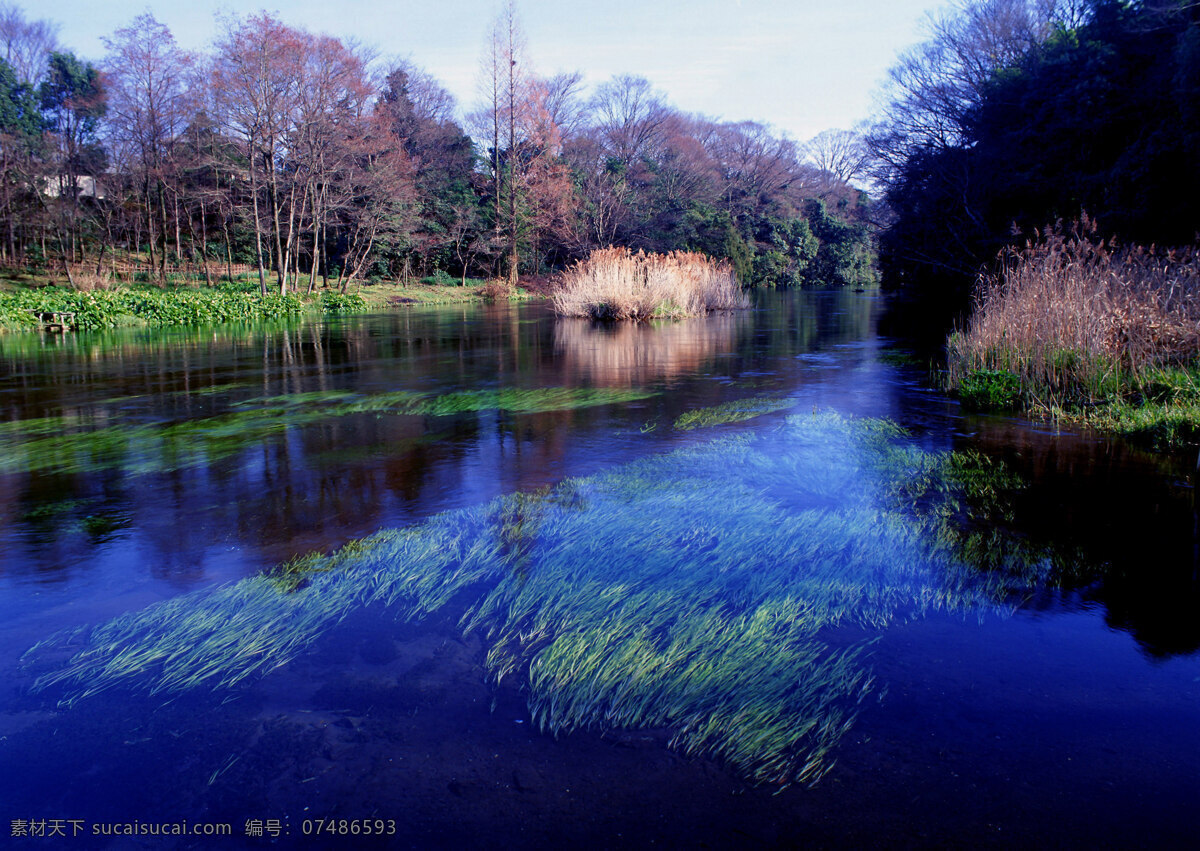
{"type": "Point", "coordinates": [800, 66]}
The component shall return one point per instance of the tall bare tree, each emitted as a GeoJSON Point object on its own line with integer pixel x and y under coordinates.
{"type": "Point", "coordinates": [839, 154]}
{"type": "Point", "coordinates": [256, 78]}
{"type": "Point", "coordinates": [629, 116]}
{"type": "Point", "coordinates": [150, 97]}
{"type": "Point", "coordinates": [27, 45]}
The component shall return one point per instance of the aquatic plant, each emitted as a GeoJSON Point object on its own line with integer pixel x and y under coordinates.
{"type": "Point", "coordinates": [88, 441]}
{"type": "Point", "coordinates": [336, 301]}
{"type": "Point", "coordinates": [616, 283]}
{"type": "Point", "coordinates": [152, 306]}
{"type": "Point", "coordinates": [731, 412]}
{"type": "Point", "coordinates": [727, 592]}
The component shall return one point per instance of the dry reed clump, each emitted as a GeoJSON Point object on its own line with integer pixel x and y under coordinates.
{"type": "Point", "coordinates": [616, 283]}
{"type": "Point", "coordinates": [91, 281]}
{"type": "Point", "coordinates": [496, 289]}
{"type": "Point", "coordinates": [1072, 321]}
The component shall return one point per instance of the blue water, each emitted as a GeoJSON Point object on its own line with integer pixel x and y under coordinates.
{"type": "Point", "coordinates": [1066, 716]}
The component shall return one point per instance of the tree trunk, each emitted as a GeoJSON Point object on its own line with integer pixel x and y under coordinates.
{"type": "Point", "coordinates": [258, 255]}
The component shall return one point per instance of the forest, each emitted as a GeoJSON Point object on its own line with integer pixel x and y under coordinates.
{"type": "Point", "coordinates": [314, 163]}
{"type": "Point", "coordinates": [309, 160]}
{"type": "Point", "coordinates": [1015, 115]}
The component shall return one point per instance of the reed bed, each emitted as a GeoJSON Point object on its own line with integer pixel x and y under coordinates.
{"type": "Point", "coordinates": [1071, 322]}
{"type": "Point", "coordinates": [697, 591]}
{"type": "Point", "coordinates": [616, 283]}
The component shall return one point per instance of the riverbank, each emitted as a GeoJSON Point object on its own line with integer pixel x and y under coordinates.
{"type": "Point", "coordinates": [26, 300]}
{"type": "Point", "coordinates": [1075, 330]}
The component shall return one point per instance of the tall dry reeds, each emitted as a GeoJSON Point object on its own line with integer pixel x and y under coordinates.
{"type": "Point", "coordinates": [1077, 321]}
{"type": "Point", "coordinates": [616, 283]}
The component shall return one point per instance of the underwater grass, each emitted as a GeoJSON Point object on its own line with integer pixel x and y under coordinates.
{"type": "Point", "coordinates": [731, 412]}
{"type": "Point", "coordinates": [697, 591]}
{"type": "Point", "coordinates": [79, 442]}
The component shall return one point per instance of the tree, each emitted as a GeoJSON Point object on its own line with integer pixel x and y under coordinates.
{"type": "Point", "coordinates": [21, 128]}
{"type": "Point", "coordinates": [420, 114]}
{"type": "Point", "coordinates": [332, 104]}
{"type": "Point", "coordinates": [529, 180]}
{"type": "Point", "coordinates": [379, 200]}
{"type": "Point", "coordinates": [257, 74]}
{"type": "Point", "coordinates": [918, 149]}
{"type": "Point", "coordinates": [629, 116]}
{"type": "Point", "coordinates": [72, 102]}
{"type": "Point", "coordinates": [150, 85]}
{"type": "Point", "coordinates": [1037, 112]}
{"type": "Point", "coordinates": [27, 45]}
{"type": "Point", "coordinates": [841, 155]}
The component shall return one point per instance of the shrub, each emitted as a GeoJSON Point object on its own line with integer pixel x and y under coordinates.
{"type": "Point", "coordinates": [615, 283]}
{"type": "Point", "coordinates": [441, 278]}
{"type": "Point", "coordinates": [497, 289]}
{"type": "Point", "coordinates": [333, 301]}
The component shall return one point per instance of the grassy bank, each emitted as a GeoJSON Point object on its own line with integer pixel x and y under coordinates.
{"type": "Point", "coordinates": [195, 303]}
{"type": "Point", "coordinates": [1073, 328]}
{"type": "Point", "coordinates": [381, 296]}
{"type": "Point", "coordinates": [615, 283]}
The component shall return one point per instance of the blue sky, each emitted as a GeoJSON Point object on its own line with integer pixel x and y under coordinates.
{"type": "Point", "coordinates": [801, 66]}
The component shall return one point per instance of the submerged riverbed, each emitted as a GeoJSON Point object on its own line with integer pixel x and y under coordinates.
{"type": "Point", "coordinates": [479, 575]}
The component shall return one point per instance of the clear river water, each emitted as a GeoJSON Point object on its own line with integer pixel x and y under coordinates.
{"type": "Point", "coordinates": [478, 576]}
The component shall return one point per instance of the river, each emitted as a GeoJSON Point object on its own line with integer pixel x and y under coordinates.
{"type": "Point", "coordinates": [475, 576]}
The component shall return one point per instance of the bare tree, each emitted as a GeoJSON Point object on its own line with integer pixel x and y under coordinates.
{"type": "Point", "coordinates": [150, 88]}
{"type": "Point", "coordinates": [840, 154]}
{"type": "Point", "coordinates": [27, 45]}
{"type": "Point", "coordinates": [934, 86]}
{"type": "Point", "coordinates": [256, 78]}
{"type": "Point", "coordinates": [526, 142]}
{"type": "Point", "coordinates": [332, 99]}
{"type": "Point", "coordinates": [754, 164]}
{"type": "Point", "coordinates": [628, 115]}
{"type": "Point", "coordinates": [562, 99]}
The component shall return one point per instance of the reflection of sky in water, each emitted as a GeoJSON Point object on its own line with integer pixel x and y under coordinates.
{"type": "Point", "coordinates": [456, 461]}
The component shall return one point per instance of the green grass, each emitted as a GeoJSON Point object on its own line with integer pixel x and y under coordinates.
{"type": "Point", "coordinates": [990, 390]}
{"type": "Point", "coordinates": [728, 592]}
{"type": "Point", "coordinates": [384, 295]}
{"type": "Point", "coordinates": [1160, 408]}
